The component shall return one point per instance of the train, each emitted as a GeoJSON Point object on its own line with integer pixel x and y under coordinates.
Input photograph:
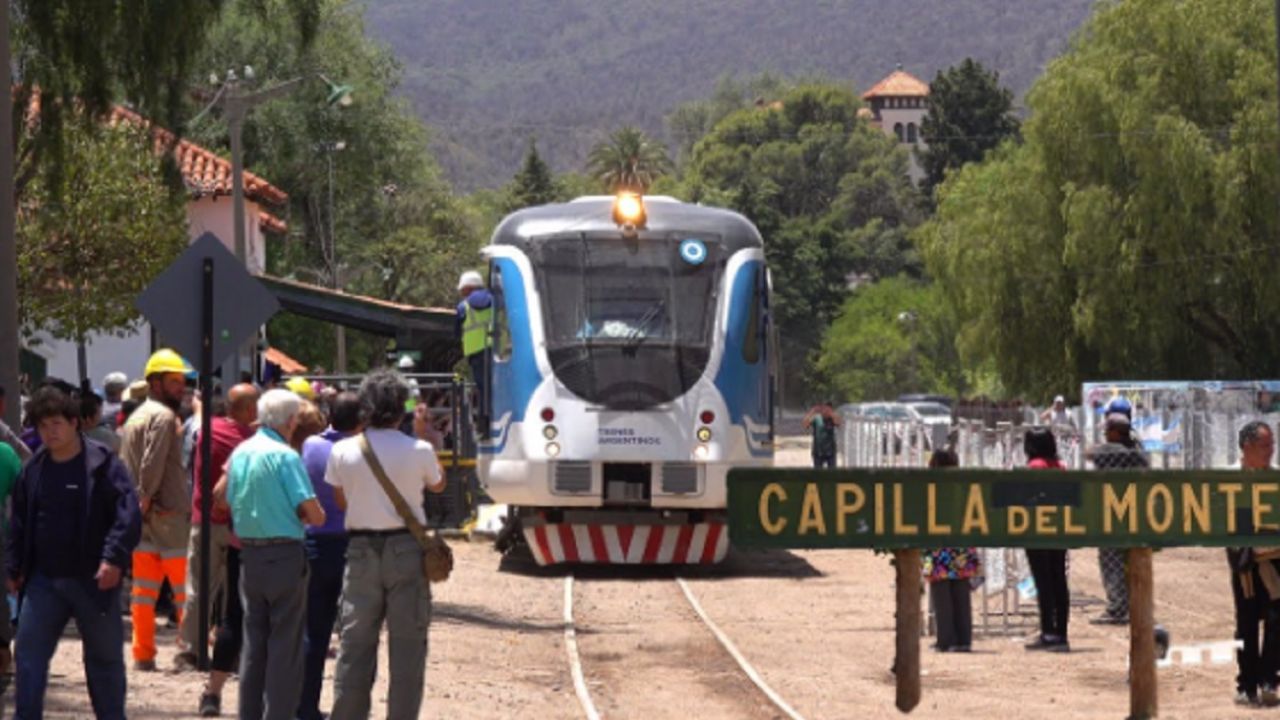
{"type": "Point", "coordinates": [633, 363]}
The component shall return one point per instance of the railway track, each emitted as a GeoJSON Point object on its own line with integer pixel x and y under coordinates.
{"type": "Point", "coordinates": [649, 649]}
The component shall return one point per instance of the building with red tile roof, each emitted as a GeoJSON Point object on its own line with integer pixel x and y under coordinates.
{"type": "Point", "coordinates": [207, 174]}
{"type": "Point", "coordinates": [897, 105]}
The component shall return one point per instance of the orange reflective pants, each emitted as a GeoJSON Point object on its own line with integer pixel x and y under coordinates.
{"type": "Point", "coordinates": [149, 572]}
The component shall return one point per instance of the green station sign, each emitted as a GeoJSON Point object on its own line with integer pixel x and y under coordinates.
{"type": "Point", "coordinates": [791, 508]}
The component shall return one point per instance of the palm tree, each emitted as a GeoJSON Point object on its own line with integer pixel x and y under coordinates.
{"type": "Point", "coordinates": [628, 160]}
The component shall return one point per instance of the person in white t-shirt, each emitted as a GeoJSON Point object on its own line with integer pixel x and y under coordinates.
{"type": "Point", "coordinates": [383, 580]}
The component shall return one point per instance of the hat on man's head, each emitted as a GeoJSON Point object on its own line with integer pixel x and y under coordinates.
{"type": "Point", "coordinates": [115, 381]}
{"type": "Point", "coordinates": [1119, 404]}
{"type": "Point", "coordinates": [138, 390]}
{"type": "Point", "coordinates": [1059, 399]}
{"type": "Point", "coordinates": [470, 279]}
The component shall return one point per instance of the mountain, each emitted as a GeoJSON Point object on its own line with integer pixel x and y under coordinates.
{"type": "Point", "coordinates": [490, 74]}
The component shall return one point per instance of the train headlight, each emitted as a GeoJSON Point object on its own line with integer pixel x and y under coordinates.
{"type": "Point", "coordinates": [549, 432]}
{"type": "Point", "coordinates": [628, 210]}
{"type": "Point", "coordinates": [704, 434]}
{"type": "Point", "coordinates": [702, 452]}
{"type": "Point", "coordinates": [553, 449]}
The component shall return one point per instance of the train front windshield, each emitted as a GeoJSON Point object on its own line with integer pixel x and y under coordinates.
{"type": "Point", "coordinates": [629, 322]}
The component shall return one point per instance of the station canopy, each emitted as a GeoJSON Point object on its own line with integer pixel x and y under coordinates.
{"type": "Point", "coordinates": [429, 331]}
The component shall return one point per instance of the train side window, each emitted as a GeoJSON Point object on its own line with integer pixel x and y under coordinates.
{"type": "Point", "coordinates": [501, 326]}
{"type": "Point", "coordinates": [752, 342]}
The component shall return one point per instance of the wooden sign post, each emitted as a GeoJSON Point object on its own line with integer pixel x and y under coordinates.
{"type": "Point", "coordinates": [906, 510]}
{"type": "Point", "coordinates": [907, 627]}
{"type": "Point", "coordinates": [1142, 635]}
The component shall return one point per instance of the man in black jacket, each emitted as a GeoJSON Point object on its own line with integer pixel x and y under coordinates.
{"type": "Point", "coordinates": [75, 524]}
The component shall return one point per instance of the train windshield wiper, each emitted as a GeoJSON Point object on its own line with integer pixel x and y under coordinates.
{"type": "Point", "coordinates": [638, 334]}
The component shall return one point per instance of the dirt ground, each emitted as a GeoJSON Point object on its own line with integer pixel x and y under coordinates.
{"type": "Point", "coordinates": [817, 625]}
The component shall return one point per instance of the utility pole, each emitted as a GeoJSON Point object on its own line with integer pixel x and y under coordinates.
{"type": "Point", "coordinates": [331, 259]}
{"type": "Point", "coordinates": [236, 105]}
{"type": "Point", "coordinates": [10, 347]}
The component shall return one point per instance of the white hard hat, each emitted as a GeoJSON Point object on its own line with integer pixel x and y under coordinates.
{"type": "Point", "coordinates": [470, 279]}
{"type": "Point", "coordinates": [405, 362]}
{"type": "Point", "coordinates": [1059, 399]}
{"type": "Point", "coordinates": [116, 379]}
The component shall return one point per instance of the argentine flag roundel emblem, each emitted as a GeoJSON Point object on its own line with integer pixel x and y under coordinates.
{"type": "Point", "coordinates": [693, 251]}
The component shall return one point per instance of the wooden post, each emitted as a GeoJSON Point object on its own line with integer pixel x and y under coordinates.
{"type": "Point", "coordinates": [1142, 632]}
{"type": "Point", "coordinates": [907, 628]}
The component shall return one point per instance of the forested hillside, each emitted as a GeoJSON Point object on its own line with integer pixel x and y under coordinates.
{"type": "Point", "coordinates": [489, 74]}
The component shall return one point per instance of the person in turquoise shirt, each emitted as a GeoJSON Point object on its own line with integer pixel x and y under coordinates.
{"type": "Point", "coordinates": [10, 469]}
{"type": "Point", "coordinates": [270, 497]}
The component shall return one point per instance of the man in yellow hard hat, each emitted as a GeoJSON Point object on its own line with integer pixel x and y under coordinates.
{"type": "Point", "coordinates": [152, 450]}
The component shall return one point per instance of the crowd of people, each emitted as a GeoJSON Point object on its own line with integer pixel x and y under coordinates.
{"type": "Point", "coordinates": [952, 573]}
{"type": "Point", "coordinates": [105, 493]}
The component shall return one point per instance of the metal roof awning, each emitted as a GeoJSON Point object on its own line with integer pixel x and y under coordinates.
{"type": "Point", "coordinates": [429, 330]}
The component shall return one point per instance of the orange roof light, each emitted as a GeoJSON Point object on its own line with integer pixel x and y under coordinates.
{"type": "Point", "coordinates": [628, 210]}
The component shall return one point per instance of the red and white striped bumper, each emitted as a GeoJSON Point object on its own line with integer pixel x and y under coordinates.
{"type": "Point", "coordinates": [699, 544]}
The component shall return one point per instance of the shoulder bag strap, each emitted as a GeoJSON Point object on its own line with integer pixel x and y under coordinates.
{"type": "Point", "coordinates": [402, 507]}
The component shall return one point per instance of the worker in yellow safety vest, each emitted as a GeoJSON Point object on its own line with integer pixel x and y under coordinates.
{"type": "Point", "coordinates": [474, 328]}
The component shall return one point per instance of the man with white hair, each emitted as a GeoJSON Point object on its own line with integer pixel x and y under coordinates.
{"type": "Point", "coordinates": [113, 387]}
{"type": "Point", "coordinates": [270, 497]}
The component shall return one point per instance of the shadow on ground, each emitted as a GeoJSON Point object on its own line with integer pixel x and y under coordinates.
{"type": "Point", "coordinates": [463, 614]}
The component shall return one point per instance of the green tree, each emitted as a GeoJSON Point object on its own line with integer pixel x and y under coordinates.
{"type": "Point", "coordinates": [970, 113]}
{"type": "Point", "coordinates": [691, 122]}
{"type": "Point", "coordinates": [1133, 233]}
{"type": "Point", "coordinates": [534, 184]}
{"type": "Point", "coordinates": [93, 234]}
{"type": "Point", "coordinates": [628, 160]}
{"type": "Point", "coordinates": [396, 230]}
{"type": "Point", "coordinates": [829, 194]}
{"type": "Point", "coordinates": [83, 55]}
{"type": "Point", "coordinates": [892, 337]}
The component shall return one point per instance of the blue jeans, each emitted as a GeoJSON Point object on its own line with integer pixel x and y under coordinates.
{"type": "Point", "coordinates": [327, 555]}
{"type": "Point", "coordinates": [48, 605]}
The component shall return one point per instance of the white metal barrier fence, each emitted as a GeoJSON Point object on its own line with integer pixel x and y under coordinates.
{"type": "Point", "coordinates": [1006, 598]}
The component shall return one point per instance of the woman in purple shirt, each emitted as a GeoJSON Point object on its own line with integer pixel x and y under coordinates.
{"type": "Point", "coordinates": [326, 551]}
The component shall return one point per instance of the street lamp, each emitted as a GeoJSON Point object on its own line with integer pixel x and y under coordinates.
{"type": "Point", "coordinates": [235, 104]}
{"type": "Point", "coordinates": [331, 251]}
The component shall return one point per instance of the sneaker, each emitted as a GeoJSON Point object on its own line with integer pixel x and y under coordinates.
{"type": "Point", "coordinates": [144, 665]}
{"type": "Point", "coordinates": [1059, 646]}
{"type": "Point", "coordinates": [210, 705]}
{"type": "Point", "coordinates": [1108, 619]}
{"type": "Point", "coordinates": [185, 661]}
{"type": "Point", "coordinates": [1269, 697]}
{"type": "Point", "coordinates": [1243, 698]}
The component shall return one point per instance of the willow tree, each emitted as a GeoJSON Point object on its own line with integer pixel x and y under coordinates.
{"type": "Point", "coordinates": [1133, 233]}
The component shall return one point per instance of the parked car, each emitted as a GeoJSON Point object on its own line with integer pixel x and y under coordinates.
{"type": "Point", "coordinates": [930, 413]}
{"type": "Point", "coordinates": [937, 421]}
{"type": "Point", "coordinates": [925, 398]}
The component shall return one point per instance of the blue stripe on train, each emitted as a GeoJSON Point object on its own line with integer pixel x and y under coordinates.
{"type": "Point", "coordinates": [743, 385]}
{"type": "Point", "coordinates": [516, 378]}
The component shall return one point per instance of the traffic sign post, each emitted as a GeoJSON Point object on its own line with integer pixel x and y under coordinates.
{"type": "Point", "coordinates": [229, 309]}
{"type": "Point", "coordinates": [906, 510]}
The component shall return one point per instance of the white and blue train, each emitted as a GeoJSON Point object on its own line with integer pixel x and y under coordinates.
{"type": "Point", "coordinates": [632, 366]}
